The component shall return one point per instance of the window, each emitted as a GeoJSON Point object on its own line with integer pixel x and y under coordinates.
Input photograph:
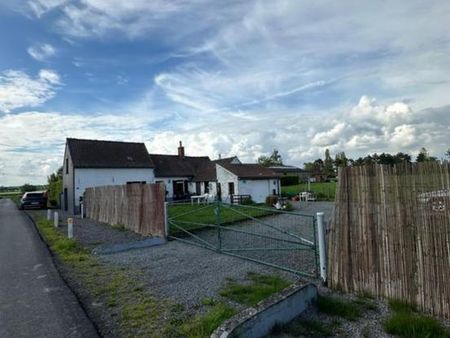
{"type": "Point", "coordinates": [67, 166]}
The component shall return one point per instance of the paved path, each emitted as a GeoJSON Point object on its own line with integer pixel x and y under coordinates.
{"type": "Point", "coordinates": [34, 300]}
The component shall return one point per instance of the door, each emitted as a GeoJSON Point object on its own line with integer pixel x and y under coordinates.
{"type": "Point", "coordinates": [231, 188]}
{"type": "Point", "coordinates": [219, 191]}
{"type": "Point", "coordinates": [197, 188]}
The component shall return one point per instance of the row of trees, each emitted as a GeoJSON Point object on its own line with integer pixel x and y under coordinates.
{"type": "Point", "coordinates": [328, 166]}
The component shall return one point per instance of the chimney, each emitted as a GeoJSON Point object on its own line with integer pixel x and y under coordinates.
{"type": "Point", "coordinates": [181, 151]}
{"type": "Point", "coordinates": [220, 156]}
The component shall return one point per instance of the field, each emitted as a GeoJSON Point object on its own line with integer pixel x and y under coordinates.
{"type": "Point", "coordinates": [14, 195]}
{"type": "Point", "coordinates": [325, 191]}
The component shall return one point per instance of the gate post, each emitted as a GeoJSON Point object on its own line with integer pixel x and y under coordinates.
{"type": "Point", "coordinates": [322, 250]}
{"type": "Point", "coordinates": [166, 221]}
{"type": "Point", "coordinates": [219, 234]}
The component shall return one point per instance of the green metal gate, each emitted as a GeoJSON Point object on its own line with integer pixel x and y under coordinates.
{"type": "Point", "coordinates": [281, 239]}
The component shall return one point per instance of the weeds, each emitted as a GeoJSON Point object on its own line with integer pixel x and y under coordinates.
{"type": "Point", "coordinates": [203, 325]}
{"type": "Point", "coordinates": [260, 287]}
{"type": "Point", "coordinates": [407, 322]}
{"type": "Point", "coordinates": [337, 307]}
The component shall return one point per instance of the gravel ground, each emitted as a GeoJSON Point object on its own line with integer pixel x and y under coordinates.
{"type": "Point", "coordinates": [186, 273]}
{"type": "Point", "coordinates": [92, 234]}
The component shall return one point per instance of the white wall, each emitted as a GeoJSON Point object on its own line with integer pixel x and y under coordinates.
{"type": "Point", "coordinates": [258, 189]}
{"type": "Point", "coordinates": [224, 177]}
{"type": "Point", "coordinates": [86, 178]}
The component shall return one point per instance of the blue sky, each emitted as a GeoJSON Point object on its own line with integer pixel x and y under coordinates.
{"type": "Point", "coordinates": [235, 78]}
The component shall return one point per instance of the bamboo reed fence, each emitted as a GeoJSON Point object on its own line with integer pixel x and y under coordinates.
{"type": "Point", "coordinates": [137, 207]}
{"type": "Point", "coordinates": [390, 234]}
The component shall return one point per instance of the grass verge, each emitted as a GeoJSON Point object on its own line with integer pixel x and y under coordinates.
{"type": "Point", "coordinates": [347, 309]}
{"type": "Point", "coordinates": [203, 325]}
{"type": "Point", "coordinates": [408, 323]}
{"type": "Point", "coordinates": [135, 311]}
{"type": "Point", "coordinates": [258, 288]}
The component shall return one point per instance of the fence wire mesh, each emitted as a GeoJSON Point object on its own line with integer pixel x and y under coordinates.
{"type": "Point", "coordinates": [281, 239]}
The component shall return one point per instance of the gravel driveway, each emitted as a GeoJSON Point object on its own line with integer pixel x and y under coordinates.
{"type": "Point", "coordinates": [188, 274]}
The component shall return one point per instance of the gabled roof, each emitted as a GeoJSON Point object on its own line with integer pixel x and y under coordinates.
{"type": "Point", "coordinates": [108, 154]}
{"type": "Point", "coordinates": [250, 171]}
{"type": "Point", "coordinates": [173, 165]}
{"type": "Point", "coordinates": [208, 171]}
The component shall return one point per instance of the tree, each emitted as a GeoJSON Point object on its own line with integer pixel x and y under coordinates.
{"type": "Point", "coordinates": [27, 187]}
{"type": "Point", "coordinates": [55, 186]}
{"type": "Point", "coordinates": [447, 153]}
{"type": "Point", "coordinates": [328, 164]}
{"type": "Point", "coordinates": [424, 156]}
{"type": "Point", "coordinates": [273, 159]}
{"type": "Point", "coordinates": [341, 160]}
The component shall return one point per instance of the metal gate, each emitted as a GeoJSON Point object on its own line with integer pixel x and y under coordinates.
{"type": "Point", "coordinates": [280, 239]}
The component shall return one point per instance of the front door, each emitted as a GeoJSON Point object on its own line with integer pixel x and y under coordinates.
{"type": "Point", "coordinates": [219, 191]}
{"type": "Point", "coordinates": [231, 188]}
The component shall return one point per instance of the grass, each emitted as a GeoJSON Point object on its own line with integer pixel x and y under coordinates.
{"type": "Point", "coordinates": [14, 196]}
{"type": "Point", "coordinates": [258, 288]}
{"type": "Point", "coordinates": [198, 216]}
{"type": "Point", "coordinates": [408, 323]}
{"type": "Point", "coordinates": [306, 327]}
{"type": "Point", "coordinates": [203, 325]}
{"type": "Point", "coordinates": [138, 312]}
{"type": "Point", "coordinates": [347, 309]}
{"type": "Point", "coordinates": [324, 190]}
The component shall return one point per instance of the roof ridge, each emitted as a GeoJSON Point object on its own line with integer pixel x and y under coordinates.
{"type": "Point", "coordinates": [104, 141]}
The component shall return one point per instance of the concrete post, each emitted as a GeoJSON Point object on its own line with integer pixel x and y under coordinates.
{"type": "Point", "coordinates": [55, 219]}
{"type": "Point", "coordinates": [166, 221]}
{"type": "Point", "coordinates": [82, 210]}
{"type": "Point", "coordinates": [322, 248]}
{"type": "Point", "coordinates": [49, 214]}
{"type": "Point", "coordinates": [70, 227]}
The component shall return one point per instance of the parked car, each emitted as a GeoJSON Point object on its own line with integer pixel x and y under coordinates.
{"type": "Point", "coordinates": [34, 199]}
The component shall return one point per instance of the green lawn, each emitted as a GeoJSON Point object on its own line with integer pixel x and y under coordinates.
{"type": "Point", "coordinates": [324, 191]}
{"type": "Point", "coordinates": [198, 216]}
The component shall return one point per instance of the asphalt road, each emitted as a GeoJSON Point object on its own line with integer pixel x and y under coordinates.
{"type": "Point", "coordinates": [34, 300]}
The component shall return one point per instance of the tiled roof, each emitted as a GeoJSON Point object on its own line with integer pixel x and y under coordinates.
{"type": "Point", "coordinates": [208, 172]}
{"type": "Point", "coordinates": [250, 171]}
{"type": "Point", "coordinates": [173, 165]}
{"type": "Point", "coordinates": [108, 154]}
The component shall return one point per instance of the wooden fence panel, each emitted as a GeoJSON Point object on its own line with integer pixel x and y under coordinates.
{"type": "Point", "coordinates": [390, 234]}
{"type": "Point", "coordinates": [137, 207]}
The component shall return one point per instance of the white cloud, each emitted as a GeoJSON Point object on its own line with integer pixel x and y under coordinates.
{"type": "Point", "coordinates": [299, 138]}
{"type": "Point", "coordinates": [41, 52]}
{"type": "Point", "coordinates": [18, 89]}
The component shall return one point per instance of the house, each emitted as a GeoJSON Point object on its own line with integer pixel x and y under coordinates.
{"type": "Point", "coordinates": [177, 171]}
{"type": "Point", "coordinates": [289, 170]}
{"type": "Point", "coordinates": [255, 180]}
{"type": "Point", "coordinates": [91, 163]}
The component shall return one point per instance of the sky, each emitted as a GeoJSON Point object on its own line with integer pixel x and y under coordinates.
{"type": "Point", "coordinates": [225, 77]}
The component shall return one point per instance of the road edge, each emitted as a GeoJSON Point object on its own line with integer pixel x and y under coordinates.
{"type": "Point", "coordinates": [57, 264]}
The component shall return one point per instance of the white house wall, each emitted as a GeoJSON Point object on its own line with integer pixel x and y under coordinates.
{"type": "Point", "coordinates": [224, 177]}
{"type": "Point", "coordinates": [86, 178]}
{"type": "Point", "coordinates": [258, 189]}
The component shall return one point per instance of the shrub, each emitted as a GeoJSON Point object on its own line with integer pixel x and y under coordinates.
{"type": "Point", "coordinates": [271, 200]}
{"type": "Point", "coordinates": [247, 201]}
{"type": "Point", "coordinates": [288, 206]}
